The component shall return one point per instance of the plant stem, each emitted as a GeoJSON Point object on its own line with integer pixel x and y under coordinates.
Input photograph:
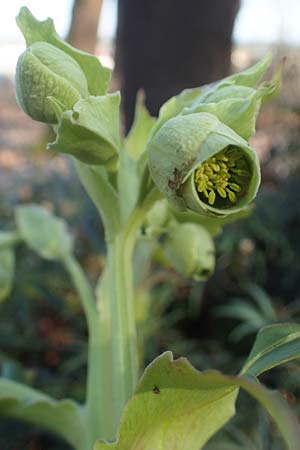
{"type": "Point", "coordinates": [123, 337]}
{"type": "Point", "coordinates": [98, 397]}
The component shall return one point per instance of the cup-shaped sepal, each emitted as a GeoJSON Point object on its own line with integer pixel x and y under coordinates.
{"type": "Point", "coordinates": [200, 164]}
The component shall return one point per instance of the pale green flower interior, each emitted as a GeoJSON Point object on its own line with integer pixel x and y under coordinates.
{"type": "Point", "coordinates": [223, 179]}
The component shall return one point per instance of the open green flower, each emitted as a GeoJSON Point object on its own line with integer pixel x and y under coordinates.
{"type": "Point", "coordinates": [48, 82]}
{"type": "Point", "coordinates": [200, 164]}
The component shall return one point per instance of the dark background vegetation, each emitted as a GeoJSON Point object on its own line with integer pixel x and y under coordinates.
{"type": "Point", "coordinates": [42, 329]}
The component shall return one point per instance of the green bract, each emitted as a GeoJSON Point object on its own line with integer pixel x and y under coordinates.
{"type": "Point", "coordinates": [200, 164]}
{"type": "Point", "coordinates": [48, 81]}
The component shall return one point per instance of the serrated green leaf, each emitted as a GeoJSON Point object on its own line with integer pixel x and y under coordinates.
{"type": "Point", "coordinates": [43, 232]}
{"type": "Point", "coordinates": [97, 76]}
{"type": "Point", "coordinates": [91, 131]}
{"type": "Point", "coordinates": [136, 141]}
{"type": "Point", "coordinates": [176, 407]}
{"type": "Point", "coordinates": [274, 345]}
{"type": "Point", "coordinates": [7, 269]}
{"type": "Point", "coordinates": [63, 417]}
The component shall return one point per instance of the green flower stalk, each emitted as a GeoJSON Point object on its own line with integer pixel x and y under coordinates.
{"type": "Point", "coordinates": [48, 82]}
{"type": "Point", "coordinates": [200, 164]}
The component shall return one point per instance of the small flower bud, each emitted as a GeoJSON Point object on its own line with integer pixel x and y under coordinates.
{"type": "Point", "coordinates": [48, 82]}
{"type": "Point", "coordinates": [190, 250]}
{"type": "Point", "coordinates": [200, 164]}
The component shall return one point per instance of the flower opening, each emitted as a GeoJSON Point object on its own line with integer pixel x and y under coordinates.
{"type": "Point", "coordinates": [223, 178]}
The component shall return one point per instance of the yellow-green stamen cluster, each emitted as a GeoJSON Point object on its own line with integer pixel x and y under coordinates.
{"type": "Point", "coordinates": [223, 177]}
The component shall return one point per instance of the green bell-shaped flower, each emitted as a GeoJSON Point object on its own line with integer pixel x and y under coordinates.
{"type": "Point", "coordinates": [200, 164]}
{"type": "Point", "coordinates": [190, 250]}
{"type": "Point", "coordinates": [48, 82]}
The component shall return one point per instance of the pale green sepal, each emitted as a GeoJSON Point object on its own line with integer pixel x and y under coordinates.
{"type": "Point", "coordinates": [215, 142]}
{"type": "Point", "coordinates": [7, 269]}
{"type": "Point", "coordinates": [62, 417]}
{"type": "Point", "coordinates": [190, 250]}
{"type": "Point", "coordinates": [136, 141]}
{"type": "Point", "coordinates": [97, 76]}
{"type": "Point", "coordinates": [174, 149]}
{"type": "Point", "coordinates": [176, 407]}
{"type": "Point", "coordinates": [91, 131]}
{"type": "Point", "coordinates": [43, 232]}
{"type": "Point", "coordinates": [274, 345]}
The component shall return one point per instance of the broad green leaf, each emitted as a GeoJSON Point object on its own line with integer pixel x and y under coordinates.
{"type": "Point", "coordinates": [263, 301]}
{"type": "Point", "coordinates": [91, 131]}
{"type": "Point", "coordinates": [234, 88]}
{"type": "Point", "coordinates": [176, 407]}
{"type": "Point", "coordinates": [8, 239]}
{"type": "Point", "coordinates": [251, 76]}
{"type": "Point", "coordinates": [136, 141]}
{"type": "Point", "coordinates": [63, 417]}
{"type": "Point", "coordinates": [7, 269]}
{"type": "Point", "coordinates": [274, 345]}
{"type": "Point", "coordinates": [239, 114]}
{"type": "Point", "coordinates": [43, 232]}
{"type": "Point", "coordinates": [242, 310]}
{"type": "Point", "coordinates": [175, 105]}
{"type": "Point", "coordinates": [33, 30]}
{"type": "Point", "coordinates": [237, 106]}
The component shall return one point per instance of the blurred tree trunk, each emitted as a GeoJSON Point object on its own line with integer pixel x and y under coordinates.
{"type": "Point", "coordinates": [84, 24]}
{"type": "Point", "coordinates": [164, 46]}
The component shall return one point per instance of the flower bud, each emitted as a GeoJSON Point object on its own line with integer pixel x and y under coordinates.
{"type": "Point", "coordinates": [200, 164]}
{"type": "Point", "coordinates": [48, 82]}
{"type": "Point", "coordinates": [156, 218]}
{"type": "Point", "coordinates": [190, 250]}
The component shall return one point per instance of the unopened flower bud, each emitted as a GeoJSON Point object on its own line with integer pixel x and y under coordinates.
{"type": "Point", "coordinates": [48, 82]}
{"type": "Point", "coordinates": [190, 250]}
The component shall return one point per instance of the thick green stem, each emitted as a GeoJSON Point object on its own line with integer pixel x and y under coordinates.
{"type": "Point", "coordinates": [112, 351]}
{"type": "Point", "coordinates": [124, 342]}
{"type": "Point", "coordinates": [98, 398]}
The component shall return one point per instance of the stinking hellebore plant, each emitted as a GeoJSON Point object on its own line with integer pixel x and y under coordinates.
{"type": "Point", "coordinates": [175, 180]}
